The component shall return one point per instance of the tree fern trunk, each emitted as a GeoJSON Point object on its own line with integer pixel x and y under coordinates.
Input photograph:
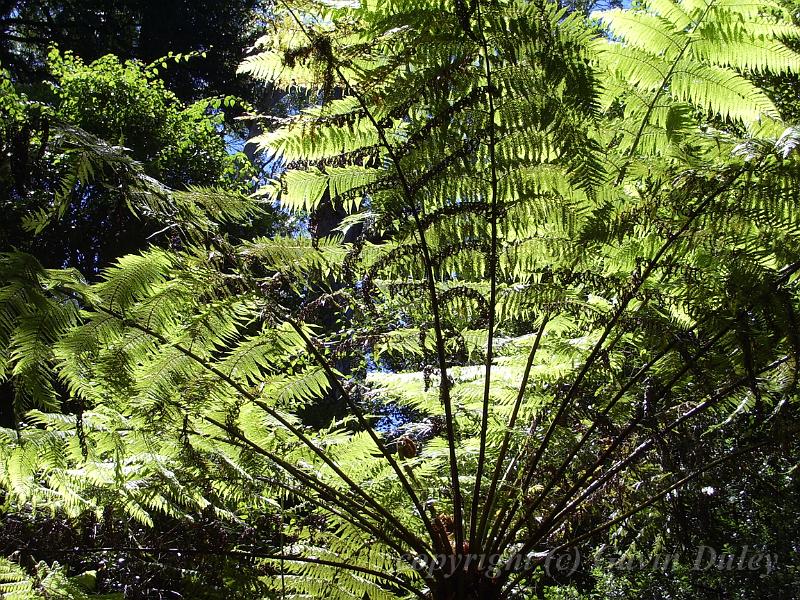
{"type": "Point", "coordinates": [475, 584]}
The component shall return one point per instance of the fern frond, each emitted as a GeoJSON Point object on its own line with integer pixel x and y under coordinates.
{"type": "Point", "coordinates": [132, 278]}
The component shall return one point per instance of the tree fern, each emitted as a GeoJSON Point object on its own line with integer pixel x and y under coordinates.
{"type": "Point", "coordinates": [568, 251]}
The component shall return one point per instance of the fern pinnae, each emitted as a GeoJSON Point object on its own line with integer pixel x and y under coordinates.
{"type": "Point", "coordinates": [351, 510]}
{"type": "Point", "coordinates": [660, 89]}
{"type": "Point", "coordinates": [356, 410]}
{"type": "Point", "coordinates": [565, 402]}
{"type": "Point", "coordinates": [132, 278]}
{"type": "Point", "coordinates": [280, 419]}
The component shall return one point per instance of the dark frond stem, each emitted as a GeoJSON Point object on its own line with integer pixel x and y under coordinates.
{"type": "Point", "coordinates": [608, 524]}
{"type": "Point", "coordinates": [496, 478]}
{"type": "Point", "coordinates": [554, 519]}
{"type": "Point", "coordinates": [282, 542]}
{"type": "Point", "coordinates": [561, 471]}
{"type": "Point", "coordinates": [474, 535]}
{"type": "Point", "coordinates": [787, 272]}
{"type": "Point", "coordinates": [444, 381]}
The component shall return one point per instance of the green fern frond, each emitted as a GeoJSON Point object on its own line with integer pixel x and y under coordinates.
{"type": "Point", "coordinates": [132, 278]}
{"type": "Point", "coordinates": [300, 256]}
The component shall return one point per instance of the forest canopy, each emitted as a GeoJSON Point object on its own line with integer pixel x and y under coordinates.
{"type": "Point", "coordinates": [498, 300]}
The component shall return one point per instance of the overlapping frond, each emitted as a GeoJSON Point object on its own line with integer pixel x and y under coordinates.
{"type": "Point", "coordinates": [700, 53]}
{"type": "Point", "coordinates": [563, 248]}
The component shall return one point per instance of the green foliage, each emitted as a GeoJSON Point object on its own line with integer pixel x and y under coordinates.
{"type": "Point", "coordinates": [47, 582]}
{"type": "Point", "coordinates": [697, 53]}
{"type": "Point", "coordinates": [126, 105]}
{"type": "Point", "coordinates": [197, 46]}
{"type": "Point", "coordinates": [108, 140]}
{"type": "Point", "coordinates": [576, 251]}
{"type": "Point", "coordinates": [31, 321]}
